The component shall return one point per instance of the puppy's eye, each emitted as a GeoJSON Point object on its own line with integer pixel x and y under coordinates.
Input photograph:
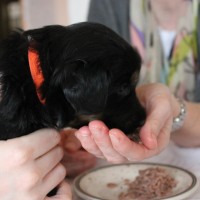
{"type": "Point", "coordinates": [124, 90]}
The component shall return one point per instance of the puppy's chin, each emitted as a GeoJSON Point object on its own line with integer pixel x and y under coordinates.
{"type": "Point", "coordinates": [83, 120]}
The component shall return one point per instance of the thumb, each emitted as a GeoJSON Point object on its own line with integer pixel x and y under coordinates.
{"type": "Point", "coordinates": [157, 118]}
{"type": "Point", "coordinates": [148, 135]}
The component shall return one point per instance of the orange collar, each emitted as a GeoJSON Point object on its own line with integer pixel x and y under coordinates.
{"type": "Point", "coordinates": [36, 72]}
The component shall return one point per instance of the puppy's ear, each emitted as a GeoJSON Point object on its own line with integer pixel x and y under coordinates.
{"type": "Point", "coordinates": [34, 37]}
{"type": "Point", "coordinates": [32, 43]}
{"type": "Point", "coordinates": [60, 108]}
{"type": "Point", "coordinates": [70, 72]}
{"type": "Point", "coordinates": [66, 78]}
{"type": "Point", "coordinates": [84, 87]}
{"type": "Point", "coordinates": [37, 34]}
{"type": "Point", "coordinates": [45, 34]}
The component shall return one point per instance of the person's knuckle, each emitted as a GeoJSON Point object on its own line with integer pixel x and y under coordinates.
{"type": "Point", "coordinates": [31, 179]}
{"type": "Point", "coordinates": [21, 155]}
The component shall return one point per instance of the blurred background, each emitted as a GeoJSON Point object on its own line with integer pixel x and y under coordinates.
{"type": "Point", "coordinates": [28, 14]}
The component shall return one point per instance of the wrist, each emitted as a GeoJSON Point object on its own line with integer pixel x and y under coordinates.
{"type": "Point", "coordinates": [179, 114]}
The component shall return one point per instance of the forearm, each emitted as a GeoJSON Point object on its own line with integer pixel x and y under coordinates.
{"type": "Point", "coordinates": [189, 134]}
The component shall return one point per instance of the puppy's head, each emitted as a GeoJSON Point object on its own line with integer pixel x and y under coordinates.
{"type": "Point", "coordinates": [92, 74]}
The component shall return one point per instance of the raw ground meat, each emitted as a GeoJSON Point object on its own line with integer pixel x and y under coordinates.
{"type": "Point", "coordinates": [150, 184]}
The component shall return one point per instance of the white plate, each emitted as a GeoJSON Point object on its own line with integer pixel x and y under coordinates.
{"type": "Point", "coordinates": [92, 185]}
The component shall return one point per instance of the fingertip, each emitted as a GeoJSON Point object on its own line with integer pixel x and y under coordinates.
{"type": "Point", "coordinates": [98, 129]}
{"type": "Point", "coordinates": [97, 124]}
{"type": "Point", "coordinates": [83, 131]}
{"type": "Point", "coordinates": [148, 138]}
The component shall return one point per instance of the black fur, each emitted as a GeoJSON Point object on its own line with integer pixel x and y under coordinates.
{"type": "Point", "coordinates": [90, 73]}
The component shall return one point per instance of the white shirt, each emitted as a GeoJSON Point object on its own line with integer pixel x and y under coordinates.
{"type": "Point", "coordinates": [167, 39]}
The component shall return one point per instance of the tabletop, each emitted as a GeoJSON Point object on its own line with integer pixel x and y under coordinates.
{"type": "Point", "coordinates": [188, 158]}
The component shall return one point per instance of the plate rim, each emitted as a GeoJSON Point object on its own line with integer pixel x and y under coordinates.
{"type": "Point", "coordinates": [81, 193]}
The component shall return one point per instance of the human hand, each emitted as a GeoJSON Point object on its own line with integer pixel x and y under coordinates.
{"type": "Point", "coordinates": [76, 159]}
{"type": "Point", "coordinates": [30, 167]}
{"type": "Point", "coordinates": [116, 147]}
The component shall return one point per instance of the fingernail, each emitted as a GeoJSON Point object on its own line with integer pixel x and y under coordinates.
{"type": "Point", "coordinates": [114, 138]}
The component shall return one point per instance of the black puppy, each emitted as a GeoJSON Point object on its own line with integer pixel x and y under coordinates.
{"type": "Point", "coordinates": [67, 76]}
{"type": "Point", "coordinates": [59, 76]}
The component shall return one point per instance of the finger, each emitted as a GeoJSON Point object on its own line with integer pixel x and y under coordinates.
{"type": "Point", "coordinates": [148, 135]}
{"type": "Point", "coordinates": [70, 142]}
{"type": "Point", "coordinates": [39, 142]}
{"type": "Point", "coordinates": [48, 161]}
{"type": "Point", "coordinates": [85, 137]}
{"type": "Point", "coordinates": [101, 136]}
{"type": "Point", "coordinates": [130, 150]}
{"type": "Point", "coordinates": [158, 114]}
{"type": "Point", "coordinates": [30, 146]}
{"type": "Point", "coordinates": [53, 178]}
{"type": "Point", "coordinates": [63, 193]}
